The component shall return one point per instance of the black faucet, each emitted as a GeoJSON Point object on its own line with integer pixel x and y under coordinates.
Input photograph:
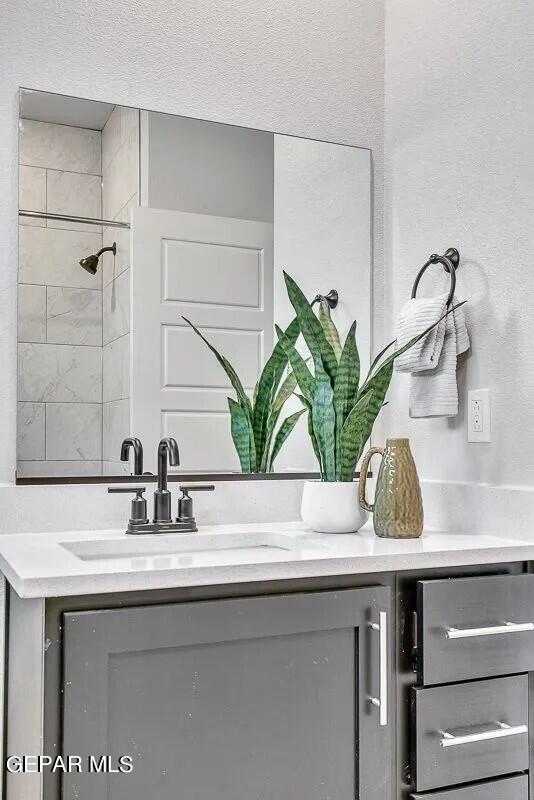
{"type": "Point", "coordinates": [138, 453]}
{"type": "Point", "coordinates": [162, 496]}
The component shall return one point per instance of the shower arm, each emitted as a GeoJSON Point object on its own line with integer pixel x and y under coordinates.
{"type": "Point", "coordinates": [111, 249]}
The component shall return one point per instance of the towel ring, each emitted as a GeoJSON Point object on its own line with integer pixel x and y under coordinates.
{"type": "Point", "coordinates": [450, 261]}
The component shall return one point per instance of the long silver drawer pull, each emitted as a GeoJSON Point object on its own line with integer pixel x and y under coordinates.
{"type": "Point", "coordinates": [490, 630]}
{"type": "Point", "coordinates": [381, 702]}
{"type": "Point", "coordinates": [503, 730]}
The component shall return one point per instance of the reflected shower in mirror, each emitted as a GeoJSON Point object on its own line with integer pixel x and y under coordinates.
{"type": "Point", "coordinates": [131, 220]}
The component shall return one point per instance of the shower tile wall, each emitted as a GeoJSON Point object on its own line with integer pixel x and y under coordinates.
{"type": "Point", "coordinates": [120, 192]}
{"type": "Point", "coordinates": [60, 413]}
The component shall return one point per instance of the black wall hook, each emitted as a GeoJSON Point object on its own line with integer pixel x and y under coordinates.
{"type": "Point", "coordinates": [450, 261]}
{"type": "Point", "coordinates": [332, 298]}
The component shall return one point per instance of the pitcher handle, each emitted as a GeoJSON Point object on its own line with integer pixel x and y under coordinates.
{"type": "Point", "coordinates": [363, 476]}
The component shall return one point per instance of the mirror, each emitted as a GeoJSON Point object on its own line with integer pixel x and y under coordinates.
{"type": "Point", "coordinates": [131, 220]}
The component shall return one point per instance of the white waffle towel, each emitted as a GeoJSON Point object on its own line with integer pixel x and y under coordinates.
{"type": "Point", "coordinates": [434, 389]}
{"type": "Point", "coordinates": [416, 316]}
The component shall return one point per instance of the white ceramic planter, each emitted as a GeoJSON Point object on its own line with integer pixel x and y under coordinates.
{"type": "Point", "coordinates": [332, 507]}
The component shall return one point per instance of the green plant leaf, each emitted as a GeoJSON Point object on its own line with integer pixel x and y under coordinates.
{"type": "Point", "coordinates": [354, 436]}
{"type": "Point", "coordinates": [324, 424]}
{"type": "Point", "coordinates": [346, 387]}
{"type": "Point", "coordinates": [267, 386]}
{"type": "Point", "coordinates": [285, 391]}
{"type": "Point", "coordinates": [311, 329]}
{"type": "Point", "coordinates": [230, 371]}
{"type": "Point", "coordinates": [376, 391]}
{"type": "Point", "coordinates": [379, 356]}
{"type": "Point", "coordinates": [329, 328]}
{"type": "Point", "coordinates": [310, 427]}
{"type": "Point", "coordinates": [304, 377]}
{"type": "Point", "coordinates": [242, 436]}
{"type": "Point", "coordinates": [283, 432]}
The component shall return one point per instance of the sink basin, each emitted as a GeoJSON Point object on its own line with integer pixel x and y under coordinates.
{"type": "Point", "coordinates": [177, 544]}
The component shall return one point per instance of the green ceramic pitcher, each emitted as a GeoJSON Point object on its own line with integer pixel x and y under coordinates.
{"type": "Point", "coordinates": [398, 507]}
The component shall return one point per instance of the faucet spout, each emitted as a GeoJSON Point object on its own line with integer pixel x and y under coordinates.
{"type": "Point", "coordinates": [137, 447]}
{"type": "Point", "coordinates": [170, 447]}
{"type": "Point", "coordinates": [162, 497]}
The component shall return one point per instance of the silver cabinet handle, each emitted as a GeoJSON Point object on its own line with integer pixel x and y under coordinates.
{"type": "Point", "coordinates": [381, 702]}
{"type": "Point", "coordinates": [503, 730]}
{"type": "Point", "coordinates": [490, 630]}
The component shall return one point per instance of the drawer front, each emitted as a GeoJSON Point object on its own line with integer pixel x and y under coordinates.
{"type": "Point", "coordinates": [469, 731]}
{"type": "Point", "coordinates": [515, 788]}
{"type": "Point", "coordinates": [474, 628]}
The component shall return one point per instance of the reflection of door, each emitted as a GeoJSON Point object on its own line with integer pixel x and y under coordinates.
{"type": "Point", "coordinates": [218, 272]}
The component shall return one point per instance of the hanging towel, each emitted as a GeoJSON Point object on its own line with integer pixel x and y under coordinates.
{"type": "Point", "coordinates": [434, 392]}
{"type": "Point", "coordinates": [415, 316]}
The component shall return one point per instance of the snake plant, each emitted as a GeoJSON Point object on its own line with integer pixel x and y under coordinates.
{"type": "Point", "coordinates": [341, 409]}
{"type": "Point", "coordinates": [253, 423]}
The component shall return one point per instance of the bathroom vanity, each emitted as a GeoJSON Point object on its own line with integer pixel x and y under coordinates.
{"type": "Point", "coordinates": [267, 661]}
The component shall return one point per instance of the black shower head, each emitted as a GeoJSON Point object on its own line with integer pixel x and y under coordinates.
{"type": "Point", "coordinates": [90, 263]}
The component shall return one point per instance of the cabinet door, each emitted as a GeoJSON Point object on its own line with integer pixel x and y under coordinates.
{"type": "Point", "coordinates": [266, 698]}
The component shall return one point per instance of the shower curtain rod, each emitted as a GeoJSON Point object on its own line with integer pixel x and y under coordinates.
{"type": "Point", "coordinates": [108, 223]}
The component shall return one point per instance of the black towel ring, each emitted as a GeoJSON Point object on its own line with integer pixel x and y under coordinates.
{"type": "Point", "coordinates": [450, 261]}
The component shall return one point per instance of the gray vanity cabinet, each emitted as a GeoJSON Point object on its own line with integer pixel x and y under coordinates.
{"type": "Point", "coordinates": [265, 697]}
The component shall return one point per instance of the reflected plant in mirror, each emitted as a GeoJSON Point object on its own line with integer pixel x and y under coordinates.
{"type": "Point", "coordinates": [253, 423]}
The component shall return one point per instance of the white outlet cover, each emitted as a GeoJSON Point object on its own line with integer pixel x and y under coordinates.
{"type": "Point", "coordinates": [479, 415]}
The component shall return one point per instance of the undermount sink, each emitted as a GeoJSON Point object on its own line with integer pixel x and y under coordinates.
{"type": "Point", "coordinates": [177, 544]}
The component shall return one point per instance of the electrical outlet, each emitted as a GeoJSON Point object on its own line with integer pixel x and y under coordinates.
{"type": "Point", "coordinates": [478, 416]}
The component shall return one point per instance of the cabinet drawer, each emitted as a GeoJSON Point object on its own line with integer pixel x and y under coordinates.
{"type": "Point", "coordinates": [469, 731]}
{"type": "Point", "coordinates": [474, 628]}
{"type": "Point", "coordinates": [515, 788]}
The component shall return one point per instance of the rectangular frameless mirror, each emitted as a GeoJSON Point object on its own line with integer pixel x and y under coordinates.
{"type": "Point", "coordinates": [170, 217]}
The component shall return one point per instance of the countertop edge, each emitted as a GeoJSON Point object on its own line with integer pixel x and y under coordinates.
{"type": "Point", "coordinates": [78, 585]}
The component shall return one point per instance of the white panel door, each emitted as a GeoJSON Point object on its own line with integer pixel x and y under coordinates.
{"type": "Point", "coordinates": [217, 272]}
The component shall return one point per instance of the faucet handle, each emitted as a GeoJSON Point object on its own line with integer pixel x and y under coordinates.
{"type": "Point", "coordinates": [185, 503]}
{"type": "Point", "coordinates": [194, 487]}
{"type": "Point", "coordinates": [126, 489]}
{"type": "Point", "coordinates": [138, 512]}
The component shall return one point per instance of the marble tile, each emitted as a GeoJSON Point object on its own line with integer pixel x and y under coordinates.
{"type": "Point", "coordinates": [51, 256]}
{"type": "Point", "coordinates": [73, 431]}
{"type": "Point", "coordinates": [129, 121]}
{"type": "Point", "coordinates": [113, 266]}
{"type": "Point", "coordinates": [116, 369]}
{"type": "Point", "coordinates": [116, 308]}
{"type": "Point", "coordinates": [75, 194]}
{"type": "Point", "coordinates": [32, 193]}
{"type": "Point", "coordinates": [74, 316]}
{"type": "Point", "coordinates": [32, 313]}
{"type": "Point", "coordinates": [111, 137]}
{"type": "Point", "coordinates": [120, 125]}
{"type": "Point", "coordinates": [43, 144]}
{"type": "Point", "coordinates": [58, 469]}
{"type": "Point", "coordinates": [116, 468]}
{"type": "Point", "coordinates": [31, 431]}
{"type": "Point", "coordinates": [59, 373]}
{"type": "Point", "coordinates": [120, 177]}
{"type": "Point", "coordinates": [116, 427]}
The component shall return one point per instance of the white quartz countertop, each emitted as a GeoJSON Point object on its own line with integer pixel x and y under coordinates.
{"type": "Point", "coordinates": [79, 562]}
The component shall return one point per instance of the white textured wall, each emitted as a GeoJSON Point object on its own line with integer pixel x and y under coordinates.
{"type": "Point", "coordinates": [311, 69]}
{"type": "Point", "coordinates": [460, 171]}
